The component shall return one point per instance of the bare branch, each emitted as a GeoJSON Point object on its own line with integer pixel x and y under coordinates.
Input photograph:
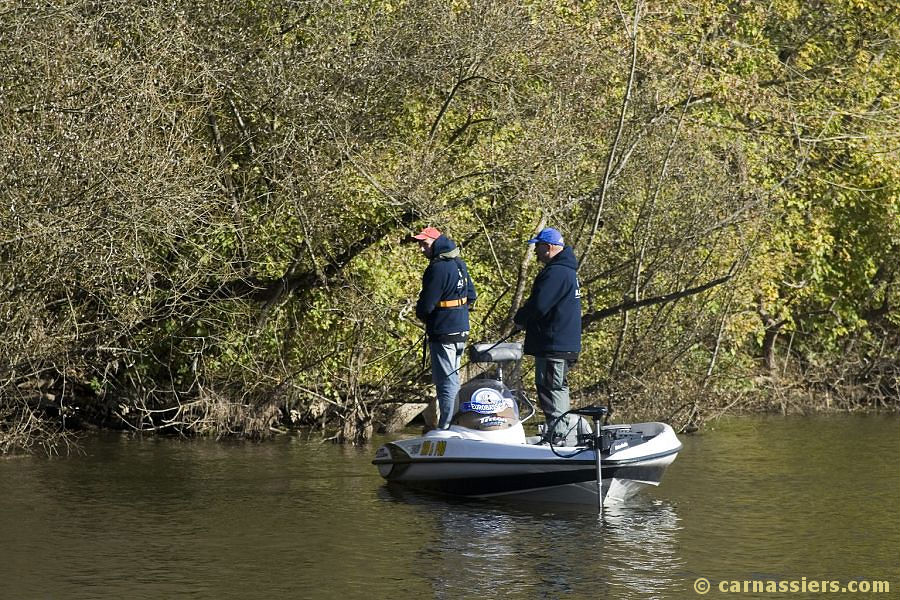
{"type": "Point", "coordinates": [589, 318]}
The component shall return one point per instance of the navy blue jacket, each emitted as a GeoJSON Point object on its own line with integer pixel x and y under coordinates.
{"type": "Point", "coordinates": [446, 278]}
{"type": "Point", "coordinates": [552, 314]}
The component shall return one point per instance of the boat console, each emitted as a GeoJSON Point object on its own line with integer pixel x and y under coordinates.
{"type": "Point", "coordinates": [485, 403]}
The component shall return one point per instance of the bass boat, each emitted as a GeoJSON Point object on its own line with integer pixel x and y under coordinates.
{"type": "Point", "coordinates": [485, 452]}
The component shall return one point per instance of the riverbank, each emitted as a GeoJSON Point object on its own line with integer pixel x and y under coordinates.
{"type": "Point", "coordinates": [45, 429]}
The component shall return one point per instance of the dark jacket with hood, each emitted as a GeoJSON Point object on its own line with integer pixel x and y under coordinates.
{"type": "Point", "coordinates": [552, 314]}
{"type": "Point", "coordinates": [446, 278]}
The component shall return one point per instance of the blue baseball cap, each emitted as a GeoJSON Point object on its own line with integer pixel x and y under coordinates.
{"type": "Point", "coordinates": [548, 235]}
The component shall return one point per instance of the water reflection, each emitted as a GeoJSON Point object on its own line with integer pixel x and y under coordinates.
{"type": "Point", "coordinates": [516, 549]}
{"type": "Point", "coordinates": [295, 518]}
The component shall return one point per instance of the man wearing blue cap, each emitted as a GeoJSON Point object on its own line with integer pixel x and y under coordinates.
{"type": "Point", "coordinates": [551, 318]}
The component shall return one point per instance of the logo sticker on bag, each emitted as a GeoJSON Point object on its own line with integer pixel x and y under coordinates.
{"type": "Point", "coordinates": [485, 401]}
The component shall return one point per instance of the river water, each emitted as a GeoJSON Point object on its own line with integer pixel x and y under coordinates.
{"type": "Point", "coordinates": [757, 499]}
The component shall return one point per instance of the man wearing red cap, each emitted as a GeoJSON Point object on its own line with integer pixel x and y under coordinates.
{"type": "Point", "coordinates": [445, 300]}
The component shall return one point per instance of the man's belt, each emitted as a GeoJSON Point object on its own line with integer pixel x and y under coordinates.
{"type": "Point", "coordinates": [452, 303]}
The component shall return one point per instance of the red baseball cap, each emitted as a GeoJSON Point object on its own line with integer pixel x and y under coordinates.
{"type": "Point", "coordinates": [429, 233]}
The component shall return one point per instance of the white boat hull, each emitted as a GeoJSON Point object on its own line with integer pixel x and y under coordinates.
{"type": "Point", "coordinates": [463, 462]}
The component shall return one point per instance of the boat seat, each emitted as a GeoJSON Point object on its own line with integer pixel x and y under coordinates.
{"type": "Point", "coordinates": [486, 352]}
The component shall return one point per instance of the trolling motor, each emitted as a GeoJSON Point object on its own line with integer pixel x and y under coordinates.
{"type": "Point", "coordinates": [597, 413]}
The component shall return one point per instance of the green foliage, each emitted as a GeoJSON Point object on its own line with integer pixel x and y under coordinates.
{"type": "Point", "coordinates": [202, 205]}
